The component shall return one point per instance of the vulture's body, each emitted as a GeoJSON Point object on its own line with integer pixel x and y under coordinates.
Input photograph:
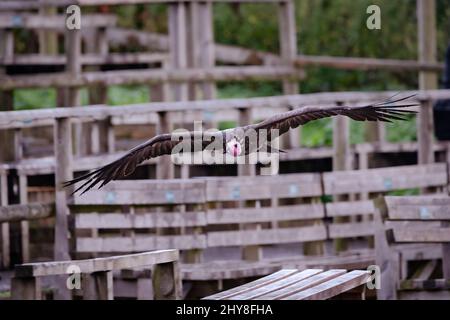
{"type": "Point", "coordinates": [235, 142]}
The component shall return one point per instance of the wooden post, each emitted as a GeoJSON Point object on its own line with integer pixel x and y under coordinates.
{"type": "Point", "coordinates": [446, 255]}
{"type": "Point", "coordinates": [178, 46]}
{"type": "Point", "coordinates": [72, 96]}
{"type": "Point", "coordinates": [341, 160]}
{"type": "Point", "coordinates": [103, 282]}
{"type": "Point", "coordinates": [4, 226]}
{"type": "Point", "coordinates": [165, 168]}
{"type": "Point", "coordinates": [26, 288]}
{"type": "Point", "coordinates": [385, 258]}
{"type": "Point", "coordinates": [426, 14]}
{"type": "Point", "coordinates": [24, 225]}
{"type": "Point", "coordinates": [201, 45]}
{"type": "Point", "coordinates": [63, 172]}
{"type": "Point", "coordinates": [48, 39]}
{"type": "Point", "coordinates": [249, 253]}
{"type": "Point", "coordinates": [166, 279]}
{"type": "Point", "coordinates": [288, 51]}
{"type": "Point", "coordinates": [6, 97]}
{"type": "Point", "coordinates": [97, 95]}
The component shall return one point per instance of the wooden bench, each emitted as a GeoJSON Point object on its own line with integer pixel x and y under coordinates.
{"type": "Point", "coordinates": [404, 223]}
{"type": "Point", "coordinates": [97, 275]}
{"type": "Point", "coordinates": [293, 284]}
{"type": "Point", "coordinates": [352, 208]}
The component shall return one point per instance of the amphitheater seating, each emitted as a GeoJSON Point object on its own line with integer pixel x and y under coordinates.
{"type": "Point", "coordinates": [413, 246]}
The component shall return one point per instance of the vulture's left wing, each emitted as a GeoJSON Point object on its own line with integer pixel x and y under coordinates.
{"type": "Point", "coordinates": [387, 110]}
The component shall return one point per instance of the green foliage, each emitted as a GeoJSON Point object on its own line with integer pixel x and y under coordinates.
{"type": "Point", "coordinates": [119, 95]}
{"type": "Point", "coordinates": [325, 27]}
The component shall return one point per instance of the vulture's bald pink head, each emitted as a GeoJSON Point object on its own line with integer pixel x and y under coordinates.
{"type": "Point", "coordinates": [234, 147]}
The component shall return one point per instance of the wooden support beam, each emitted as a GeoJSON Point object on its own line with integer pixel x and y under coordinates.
{"type": "Point", "coordinates": [24, 225]}
{"type": "Point", "coordinates": [178, 46]}
{"type": "Point", "coordinates": [4, 226]}
{"type": "Point", "coordinates": [63, 172]}
{"type": "Point", "coordinates": [426, 14]}
{"type": "Point", "coordinates": [48, 40]}
{"type": "Point", "coordinates": [165, 168]}
{"type": "Point", "coordinates": [166, 280]}
{"type": "Point", "coordinates": [288, 51]}
{"type": "Point", "coordinates": [341, 161]}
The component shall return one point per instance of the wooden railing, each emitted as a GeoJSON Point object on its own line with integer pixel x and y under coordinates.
{"type": "Point", "coordinates": [96, 275]}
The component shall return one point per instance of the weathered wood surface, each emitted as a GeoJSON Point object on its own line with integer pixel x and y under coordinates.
{"type": "Point", "coordinates": [178, 191]}
{"type": "Point", "coordinates": [333, 287]}
{"type": "Point", "coordinates": [265, 214]}
{"type": "Point", "coordinates": [85, 59]}
{"type": "Point", "coordinates": [411, 220]}
{"type": "Point", "coordinates": [418, 208]}
{"type": "Point", "coordinates": [269, 236]}
{"type": "Point", "coordinates": [153, 76]}
{"type": "Point", "coordinates": [14, 213]}
{"type": "Point", "coordinates": [385, 179]}
{"type": "Point", "coordinates": [140, 220]}
{"type": "Point", "coordinates": [356, 63]}
{"type": "Point", "coordinates": [238, 55]}
{"type": "Point", "coordinates": [10, 118]}
{"type": "Point", "coordinates": [263, 187]}
{"type": "Point", "coordinates": [292, 284]}
{"type": "Point", "coordinates": [34, 21]}
{"type": "Point", "coordinates": [98, 264]}
{"type": "Point", "coordinates": [139, 243]}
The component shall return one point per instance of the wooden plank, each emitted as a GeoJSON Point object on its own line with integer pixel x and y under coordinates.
{"type": "Point", "coordinates": [86, 59]}
{"type": "Point", "coordinates": [280, 293]}
{"type": "Point", "coordinates": [325, 100]}
{"type": "Point", "coordinates": [256, 293]}
{"type": "Point", "coordinates": [418, 208]}
{"type": "Point", "coordinates": [98, 264]}
{"type": "Point", "coordinates": [265, 214]}
{"type": "Point", "coordinates": [140, 243]}
{"type": "Point", "coordinates": [385, 179]}
{"type": "Point", "coordinates": [178, 191]}
{"type": "Point", "coordinates": [252, 285]}
{"type": "Point", "coordinates": [166, 280]}
{"type": "Point", "coordinates": [263, 187]}
{"type": "Point", "coordinates": [253, 237]}
{"type": "Point", "coordinates": [332, 287]}
{"type": "Point", "coordinates": [349, 230]}
{"type": "Point", "coordinates": [36, 21]}
{"type": "Point", "coordinates": [153, 76]}
{"type": "Point", "coordinates": [349, 208]}
{"type": "Point", "coordinates": [426, 235]}
{"type": "Point", "coordinates": [360, 63]}
{"type": "Point", "coordinates": [140, 220]}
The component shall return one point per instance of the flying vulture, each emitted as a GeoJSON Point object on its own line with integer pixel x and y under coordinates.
{"type": "Point", "coordinates": [233, 140]}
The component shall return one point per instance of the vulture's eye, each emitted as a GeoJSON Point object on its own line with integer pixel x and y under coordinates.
{"type": "Point", "coordinates": [235, 145]}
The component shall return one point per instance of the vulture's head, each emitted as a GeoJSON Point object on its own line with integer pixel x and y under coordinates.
{"type": "Point", "coordinates": [234, 147]}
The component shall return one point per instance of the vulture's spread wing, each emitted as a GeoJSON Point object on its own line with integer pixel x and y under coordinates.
{"type": "Point", "coordinates": [124, 166]}
{"type": "Point", "coordinates": [387, 110]}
